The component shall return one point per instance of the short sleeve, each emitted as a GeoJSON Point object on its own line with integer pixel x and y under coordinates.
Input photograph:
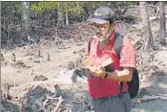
{"type": "Point", "coordinates": [128, 54]}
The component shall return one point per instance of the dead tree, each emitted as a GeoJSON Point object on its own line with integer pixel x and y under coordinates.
{"type": "Point", "coordinates": [13, 57]}
{"type": "Point", "coordinates": [25, 20]}
{"type": "Point", "coordinates": [39, 52]}
{"type": "Point", "coordinates": [2, 57]}
{"type": "Point", "coordinates": [162, 27]}
{"type": "Point", "coordinates": [48, 56]}
{"type": "Point", "coordinates": [60, 15]}
{"type": "Point", "coordinates": [7, 87]}
{"type": "Point", "coordinates": [146, 33]}
{"type": "Point", "coordinates": [67, 15]}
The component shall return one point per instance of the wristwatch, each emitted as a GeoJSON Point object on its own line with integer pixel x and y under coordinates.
{"type": "Point", "coordinates": [106, 75]}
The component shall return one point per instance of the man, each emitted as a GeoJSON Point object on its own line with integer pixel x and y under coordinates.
{"type": "Point", "coordinates": [104, 87]}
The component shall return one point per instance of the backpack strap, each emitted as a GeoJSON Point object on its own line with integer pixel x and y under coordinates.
{"type": "Point", "coordinates": [118, 43]}
{"type": "Point", "coordinates": [118, 46]}
{"type": "Point", "coordinates": [89, 44]}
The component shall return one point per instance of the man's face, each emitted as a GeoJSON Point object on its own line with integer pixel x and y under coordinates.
{"type": "Point", "coordinates": [102, 31]}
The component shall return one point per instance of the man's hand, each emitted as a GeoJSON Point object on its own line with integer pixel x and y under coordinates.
{"type": "Point", "coordinates": [98, 72]}
{"type": "Point", "coordinates": [86, 62]}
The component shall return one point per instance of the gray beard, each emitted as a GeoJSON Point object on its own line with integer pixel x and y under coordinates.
{"type": "Point", "coordinates": [104, 40]}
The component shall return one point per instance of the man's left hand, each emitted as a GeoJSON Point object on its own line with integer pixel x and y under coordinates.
{"type": "Point", "coordinates": [98, 72]}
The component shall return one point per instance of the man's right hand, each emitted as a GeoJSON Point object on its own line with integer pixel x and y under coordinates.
{"type": "Point", "coordinates": [86, 62]}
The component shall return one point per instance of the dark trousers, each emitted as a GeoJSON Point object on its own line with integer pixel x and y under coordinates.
{"type": "Point", "coordinates": [120, 103]}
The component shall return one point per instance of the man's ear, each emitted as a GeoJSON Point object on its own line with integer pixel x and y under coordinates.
{"type": "Point", "coordinates": [113, 25]}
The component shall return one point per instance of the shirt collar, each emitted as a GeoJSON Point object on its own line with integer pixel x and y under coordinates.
{"type": "Point", "coordinates": [112, 35]}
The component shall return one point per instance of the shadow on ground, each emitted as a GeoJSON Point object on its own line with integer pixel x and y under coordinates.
{"type": "Point", "coordinates": [156, 85]}
{"type": "Point", "coordinates": [7, 106]}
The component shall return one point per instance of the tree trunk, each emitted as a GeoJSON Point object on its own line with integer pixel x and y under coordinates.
{"type": "Point", "coordinates": [25, 20]}
{"type": "Point", "coordinates": [67, 18]}
{"type": "Point", "coordinates": [60, 16]}
{"type": "Point", "coordinates": [162, 29]}
{"type": "Point", "coordinates": [146, 28]}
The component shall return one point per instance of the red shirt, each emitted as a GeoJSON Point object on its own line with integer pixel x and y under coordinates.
{"type": "Point", "coordinates": [99, 87]}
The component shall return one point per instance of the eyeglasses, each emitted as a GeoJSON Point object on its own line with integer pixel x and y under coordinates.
{"type": "Point", "coordinates": [101, 28]}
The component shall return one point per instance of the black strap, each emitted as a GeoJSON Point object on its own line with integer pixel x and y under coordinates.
{"type": "Point", "coordinates": [118, 46]}
{"type": "Point", "coordinates": [118, 43]}
{"type": "Point", "coordinates": [89, 44]}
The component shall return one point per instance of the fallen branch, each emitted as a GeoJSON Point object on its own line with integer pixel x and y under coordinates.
{"type": "Point", "coordinates": [6, 94]}
{"type": "Point", "coordinates": [52, 97]}
{"type": "Point", "coordinates": [156, 18]}
{"type": "Point", "coordinates": [77, 102]}
{"type": "Point", "coordinates": [149, 98]}
{"type": "Point", "coordinates": [45, 102]}
{"type": "Point", "coordinates": [58, 104]}
{"type": "Point", "coordinates": [136, 6]}
{"type": "Point", "coordinates": [41, 106]}
{"type": "Point", "coordinates": [136, 41]}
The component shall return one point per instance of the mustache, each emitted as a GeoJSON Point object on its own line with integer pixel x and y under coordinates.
{"type": "Point", "coordinates": [98, 34]}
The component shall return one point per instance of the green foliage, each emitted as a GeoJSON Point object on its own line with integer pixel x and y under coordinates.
{"type": "Point", "coordinates": [19, 7]}
{"type": "Point", "coordinates": [64, 6]}
{"type": "Point", "coordinates": [71, 7]}
{"type": "Point", "coordinates": [42, 6]}
{"type": "Point", "coordinates": [75, 8]}
{"type": "Point", "coordinates": [131, 3]}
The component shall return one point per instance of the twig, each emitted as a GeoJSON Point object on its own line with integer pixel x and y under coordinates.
{"type": "Point", "coordinates": [77, 102]}
{"type": "Point", "coordinates": [52, 98]}
{"type": "Point", "coordinates": [7, 87]}
{"type": "Point", "coordinates": [45, 102]}
{"type": "Point", "coordinates": [48, 56]}
{"type": "Point", "coordinates": [83, 105]}
{"type": "Point", "coordinates": [42, 107]}
{"type": "Point", "coordinates": [149, 98]}
{"type": "Point", "coordinates": [156, 18]}
{"type": "Point", "coordinates": [39, 52]}
{"type": "Point", "coordinates": [13, 57]}
{"type": "Point", "coordinates": [2, 57]}
{"type": "Point", "coordinates": [58, 104]}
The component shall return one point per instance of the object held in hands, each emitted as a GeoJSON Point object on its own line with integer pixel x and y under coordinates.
{"type": "Point", "coordinates": [87, 63]}
{"type": "Point", "coordinates": [100, 71]}
{"type": "Point", "coordinates": [107, 62]}
{"type": "Point", "coordinates": [88, 69]}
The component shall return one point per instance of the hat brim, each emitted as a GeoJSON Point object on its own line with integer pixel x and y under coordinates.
{"type": "Point", "coordinates": [97, 20]}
